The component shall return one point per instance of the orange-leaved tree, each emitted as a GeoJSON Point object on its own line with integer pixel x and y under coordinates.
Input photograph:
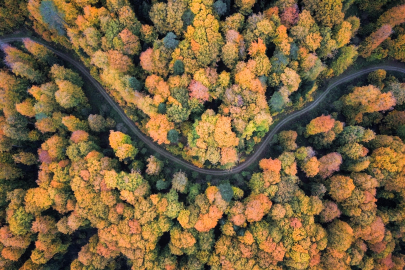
{"type": "Point", "coordinates": [374, 40]}
{"type": "Point", "coordinates": [320, 124]}
{"type": "Point", "coordinates": [158, 126]}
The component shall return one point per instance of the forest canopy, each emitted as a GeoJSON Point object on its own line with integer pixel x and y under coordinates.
{"type": "Point", "coordinates": [205, 79]}
{"type": "Point", "coordinates": [216, 73]}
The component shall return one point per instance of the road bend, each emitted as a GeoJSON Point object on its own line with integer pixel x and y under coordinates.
{"type": "Point", "coordinates": [240, 167]}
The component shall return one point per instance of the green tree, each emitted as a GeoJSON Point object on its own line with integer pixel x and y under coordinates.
{"type": "Point", "coordinates": [60, 73]}
{"type": "Point", "coordinates": [170, 41]}
{"type": "Point", "coordinates": [220, 7]}
{"type": "Point", "coordinates": [27, 71]}
{"type": "Point", "coordinates": [39, 51]}
{"type": "Point", "coordinates": [53, 17]}
{"type": "Point", "coordinates": [20, 221]}
{"type": "Point", "coordinates": [12, 15]}
{"type": "Point", "coordinates": [327, 12]}
{"type": "Point", "coordinates": [177, 113]}
{"type": "Point", "coordinates": [168, 17]}
{"type": "Point", "coordinates": [277, 102]}
{"type": "Point", "coordinates": [26, 158]}
{"type": "Point", "coordinates": [69, 95]}
{"type": "Point", "coordinates": [245, 6]}
{"type": "Point", "coordinates": [178, 67]}
{"type": "Point", "coordinates": [347, 55]}
{"type": "Point", "coordinates": [173, 136]}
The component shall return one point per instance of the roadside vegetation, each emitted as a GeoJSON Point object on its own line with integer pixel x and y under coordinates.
{"type": "Point", "coordinates": [206, 80]}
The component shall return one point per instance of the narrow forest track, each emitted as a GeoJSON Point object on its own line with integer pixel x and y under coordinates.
{"type": "Point", "coordinates": [260, 148]}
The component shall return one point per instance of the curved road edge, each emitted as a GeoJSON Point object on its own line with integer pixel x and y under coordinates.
{"type": "Point", "coordinates": [237, 169]}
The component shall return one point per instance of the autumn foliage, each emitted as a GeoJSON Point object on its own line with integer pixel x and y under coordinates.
{"type": "Point", "coordinates": [374, 40]}
{"type": "Point", "coordinates": [321, 124]}
{"type": "Point", "coordinates": [204, 80]}
{"type": "Point", "coordinates": [367, 99]}
{"type": "Point", "coordinates": [183, 59]}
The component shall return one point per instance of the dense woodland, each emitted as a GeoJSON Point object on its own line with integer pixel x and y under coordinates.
{"type": "Point", "coordinates": [206, 80]}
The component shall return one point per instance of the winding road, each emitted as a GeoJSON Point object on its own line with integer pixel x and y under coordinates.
{"type": "Point", "coordinates": [237, 169]}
